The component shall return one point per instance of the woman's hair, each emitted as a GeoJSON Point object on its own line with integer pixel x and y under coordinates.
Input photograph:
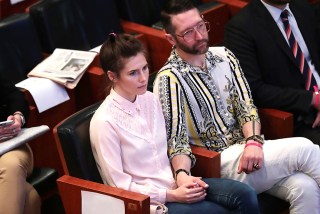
{"type": "Point", "coordinates": [173, 7]}
{"type": "Point", "coordinates": [117, 49]}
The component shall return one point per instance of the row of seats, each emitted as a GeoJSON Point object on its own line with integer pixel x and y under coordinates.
{"type": "Point", "coordinates": [31, 36]}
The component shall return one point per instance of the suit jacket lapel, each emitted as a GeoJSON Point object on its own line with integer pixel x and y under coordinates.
{"type": "Point", "coordinates": [304, 29]}
{"type": "Point", "coordinates": [266, 21]}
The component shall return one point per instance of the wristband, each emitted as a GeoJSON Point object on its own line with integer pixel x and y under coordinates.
{"type": "Point", "coordinates": [253, 144]}
{"type": "Point", "coordinates": [181, 170]}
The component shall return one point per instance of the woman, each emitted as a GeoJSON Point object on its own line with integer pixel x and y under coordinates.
{"type": "Point", "coordinates": [129, 141]}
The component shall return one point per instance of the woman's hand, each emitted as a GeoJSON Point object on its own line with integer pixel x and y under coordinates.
{"type": "Point", "coordinates": [187, 193]}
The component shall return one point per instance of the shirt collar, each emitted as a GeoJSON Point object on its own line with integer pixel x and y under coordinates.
{"type": "Point", "coordinates": [276, 12]}
{"type": "Point", "coordinates": [124, 104]}
{"type": "Point", "coordinates": [181, 65]}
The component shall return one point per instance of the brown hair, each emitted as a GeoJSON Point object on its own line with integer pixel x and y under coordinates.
{"type": "Point", "coordinates": [117, 49]}
{"type": "Point", "coordinates": [173, 7]}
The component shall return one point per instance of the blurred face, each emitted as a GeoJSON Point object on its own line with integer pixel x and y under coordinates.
{"type": "Point", "coordinates": [277, 3]}
{"type": "Point", "coordinates": [133, 78]}
{"type": "Point", "coordinates": [186, 24]}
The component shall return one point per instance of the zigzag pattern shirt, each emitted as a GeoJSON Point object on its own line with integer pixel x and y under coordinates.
{"type": "Point", "coordinates": [204, 108]}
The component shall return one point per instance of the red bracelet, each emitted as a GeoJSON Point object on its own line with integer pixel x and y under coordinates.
{"type": "Point", "coordinates": [317, 98]}
{"type": "Point", "coordinates": [253, 144]}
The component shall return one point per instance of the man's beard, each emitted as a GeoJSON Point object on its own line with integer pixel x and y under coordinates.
{"type": "Point", "coordinates": [194, 49]}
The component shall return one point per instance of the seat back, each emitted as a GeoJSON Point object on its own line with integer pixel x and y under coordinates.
{"type": "Point", "coordinates": [59, 25]}
{"type": "Point", "coordinates": [145, 12]}
{"type": "Point", "coordinates": [74, 24]}
{"type": "Point", "coordinates": [20, 48]}
{"type": "Point", "coordinates": [99, 18]}
{"type": "Point", "coordinates": [73, 142]}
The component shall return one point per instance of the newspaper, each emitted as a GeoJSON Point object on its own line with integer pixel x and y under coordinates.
{"type": "Point", "coordinates": [24, 136]}
{"type": "Point", "coordinates": [64, 66]}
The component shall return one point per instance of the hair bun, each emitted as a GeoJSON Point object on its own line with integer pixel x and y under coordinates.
{"type": "Point", "coordinates": [112, 36]}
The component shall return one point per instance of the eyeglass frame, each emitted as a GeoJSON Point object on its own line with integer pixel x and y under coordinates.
{"type": "Point", "coordinates": [194, 28]}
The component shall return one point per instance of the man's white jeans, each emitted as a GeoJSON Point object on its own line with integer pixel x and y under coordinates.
{"type": "Point", "coordinates": [291, 171]}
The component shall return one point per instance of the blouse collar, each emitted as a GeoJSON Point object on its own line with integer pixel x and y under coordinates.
{"type": "Point", "coordinates": [124, 104]}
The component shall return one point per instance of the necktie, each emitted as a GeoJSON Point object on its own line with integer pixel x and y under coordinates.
{"type": "Point", "coordinates": [298, 54]}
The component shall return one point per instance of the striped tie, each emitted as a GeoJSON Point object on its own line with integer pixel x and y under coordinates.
{"type": "Point", "coordinates": [298, 54]}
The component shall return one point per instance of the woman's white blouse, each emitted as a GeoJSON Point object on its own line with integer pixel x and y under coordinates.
{"type": "Point", "coordinates": [129, 144]}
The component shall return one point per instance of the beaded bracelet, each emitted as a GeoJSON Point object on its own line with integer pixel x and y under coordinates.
{"type": "Point", "coordinates": [257, 138]}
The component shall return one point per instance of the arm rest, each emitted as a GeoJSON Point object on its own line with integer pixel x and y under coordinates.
{"type": "Point", "coordinates": [70, 190]}
{"type": "Point", "coordinates": [275, 123]}
{"type": "Point", "coordinates": [208, 163]}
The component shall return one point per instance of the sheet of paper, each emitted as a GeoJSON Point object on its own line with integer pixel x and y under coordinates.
{"type": "Point", "coordinates": [15, 1]}
{"type": "Point", "coordinates": [96, 49]}
{"type": "Point", "coordinates": [97, 203]}
{"type": "Point", "coordinates": [45, 92]}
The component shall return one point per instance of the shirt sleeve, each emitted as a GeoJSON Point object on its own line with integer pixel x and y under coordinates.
{"type": "Point", "coordinates": [106, 146]}
{"type": "Point", "coordinates": [169, 91]}
{"type": "Point", "coordinates": [240, 94]}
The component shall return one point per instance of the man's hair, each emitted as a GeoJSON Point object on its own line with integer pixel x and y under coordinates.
{"type": "Point", "coordinates": [117, 49]}
{"type": "Point", "coordinates": [173, 7]}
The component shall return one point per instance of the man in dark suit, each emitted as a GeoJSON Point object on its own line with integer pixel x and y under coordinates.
{"type": "Point", "coordinates": [257, 36]}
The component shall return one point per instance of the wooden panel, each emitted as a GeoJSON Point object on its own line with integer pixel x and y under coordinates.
{"type": "Point", "coordinates": [208, 163]}
{"type": "Point", "coordinates": [70, 190]}
{"type": "Point", "coordinates": [218, 18]}
{"type": "Point", "coordinates": [234, 5]}
{"type": "Point", "coordinates": [275, 123]}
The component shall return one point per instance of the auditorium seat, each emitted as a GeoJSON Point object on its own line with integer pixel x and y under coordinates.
{"type": "Point", "coordinates": [81, 173]}
{"type": "Point", "coordinates": [59, 25]}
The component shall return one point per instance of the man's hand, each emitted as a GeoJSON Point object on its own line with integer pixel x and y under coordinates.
{"type": "Point", "coordinates": [12, 130]}
{"type": "Point", "coordinates": [183, 178]}
{"type": "Point", "coordinates": [251, 156]}
{"type": "Point", "coordinates": [187, 193]}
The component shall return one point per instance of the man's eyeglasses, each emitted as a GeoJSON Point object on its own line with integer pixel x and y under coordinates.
{"type": "Point", "coordinates": [189, 35]}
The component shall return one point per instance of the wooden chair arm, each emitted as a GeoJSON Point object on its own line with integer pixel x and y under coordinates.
{"type": "Point", "coordinates": [208, 163]}
{"type": "Point", "coordinates": [276, 123]}
{"type": "Point", "coordinates": [70, 190]}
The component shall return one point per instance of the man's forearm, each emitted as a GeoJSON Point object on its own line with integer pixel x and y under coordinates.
{"type": "Point", "coordinates": [250, 129]}
{"type": "Point", "coordinates": [181, 162]}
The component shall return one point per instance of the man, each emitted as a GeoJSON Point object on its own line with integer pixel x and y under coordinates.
{"type": "Point", "coordinates": [16, 194]}
{"type": "Point", "coordinates": [207, 102]}
{"type": "Point", "coordinates": [259, 38]}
